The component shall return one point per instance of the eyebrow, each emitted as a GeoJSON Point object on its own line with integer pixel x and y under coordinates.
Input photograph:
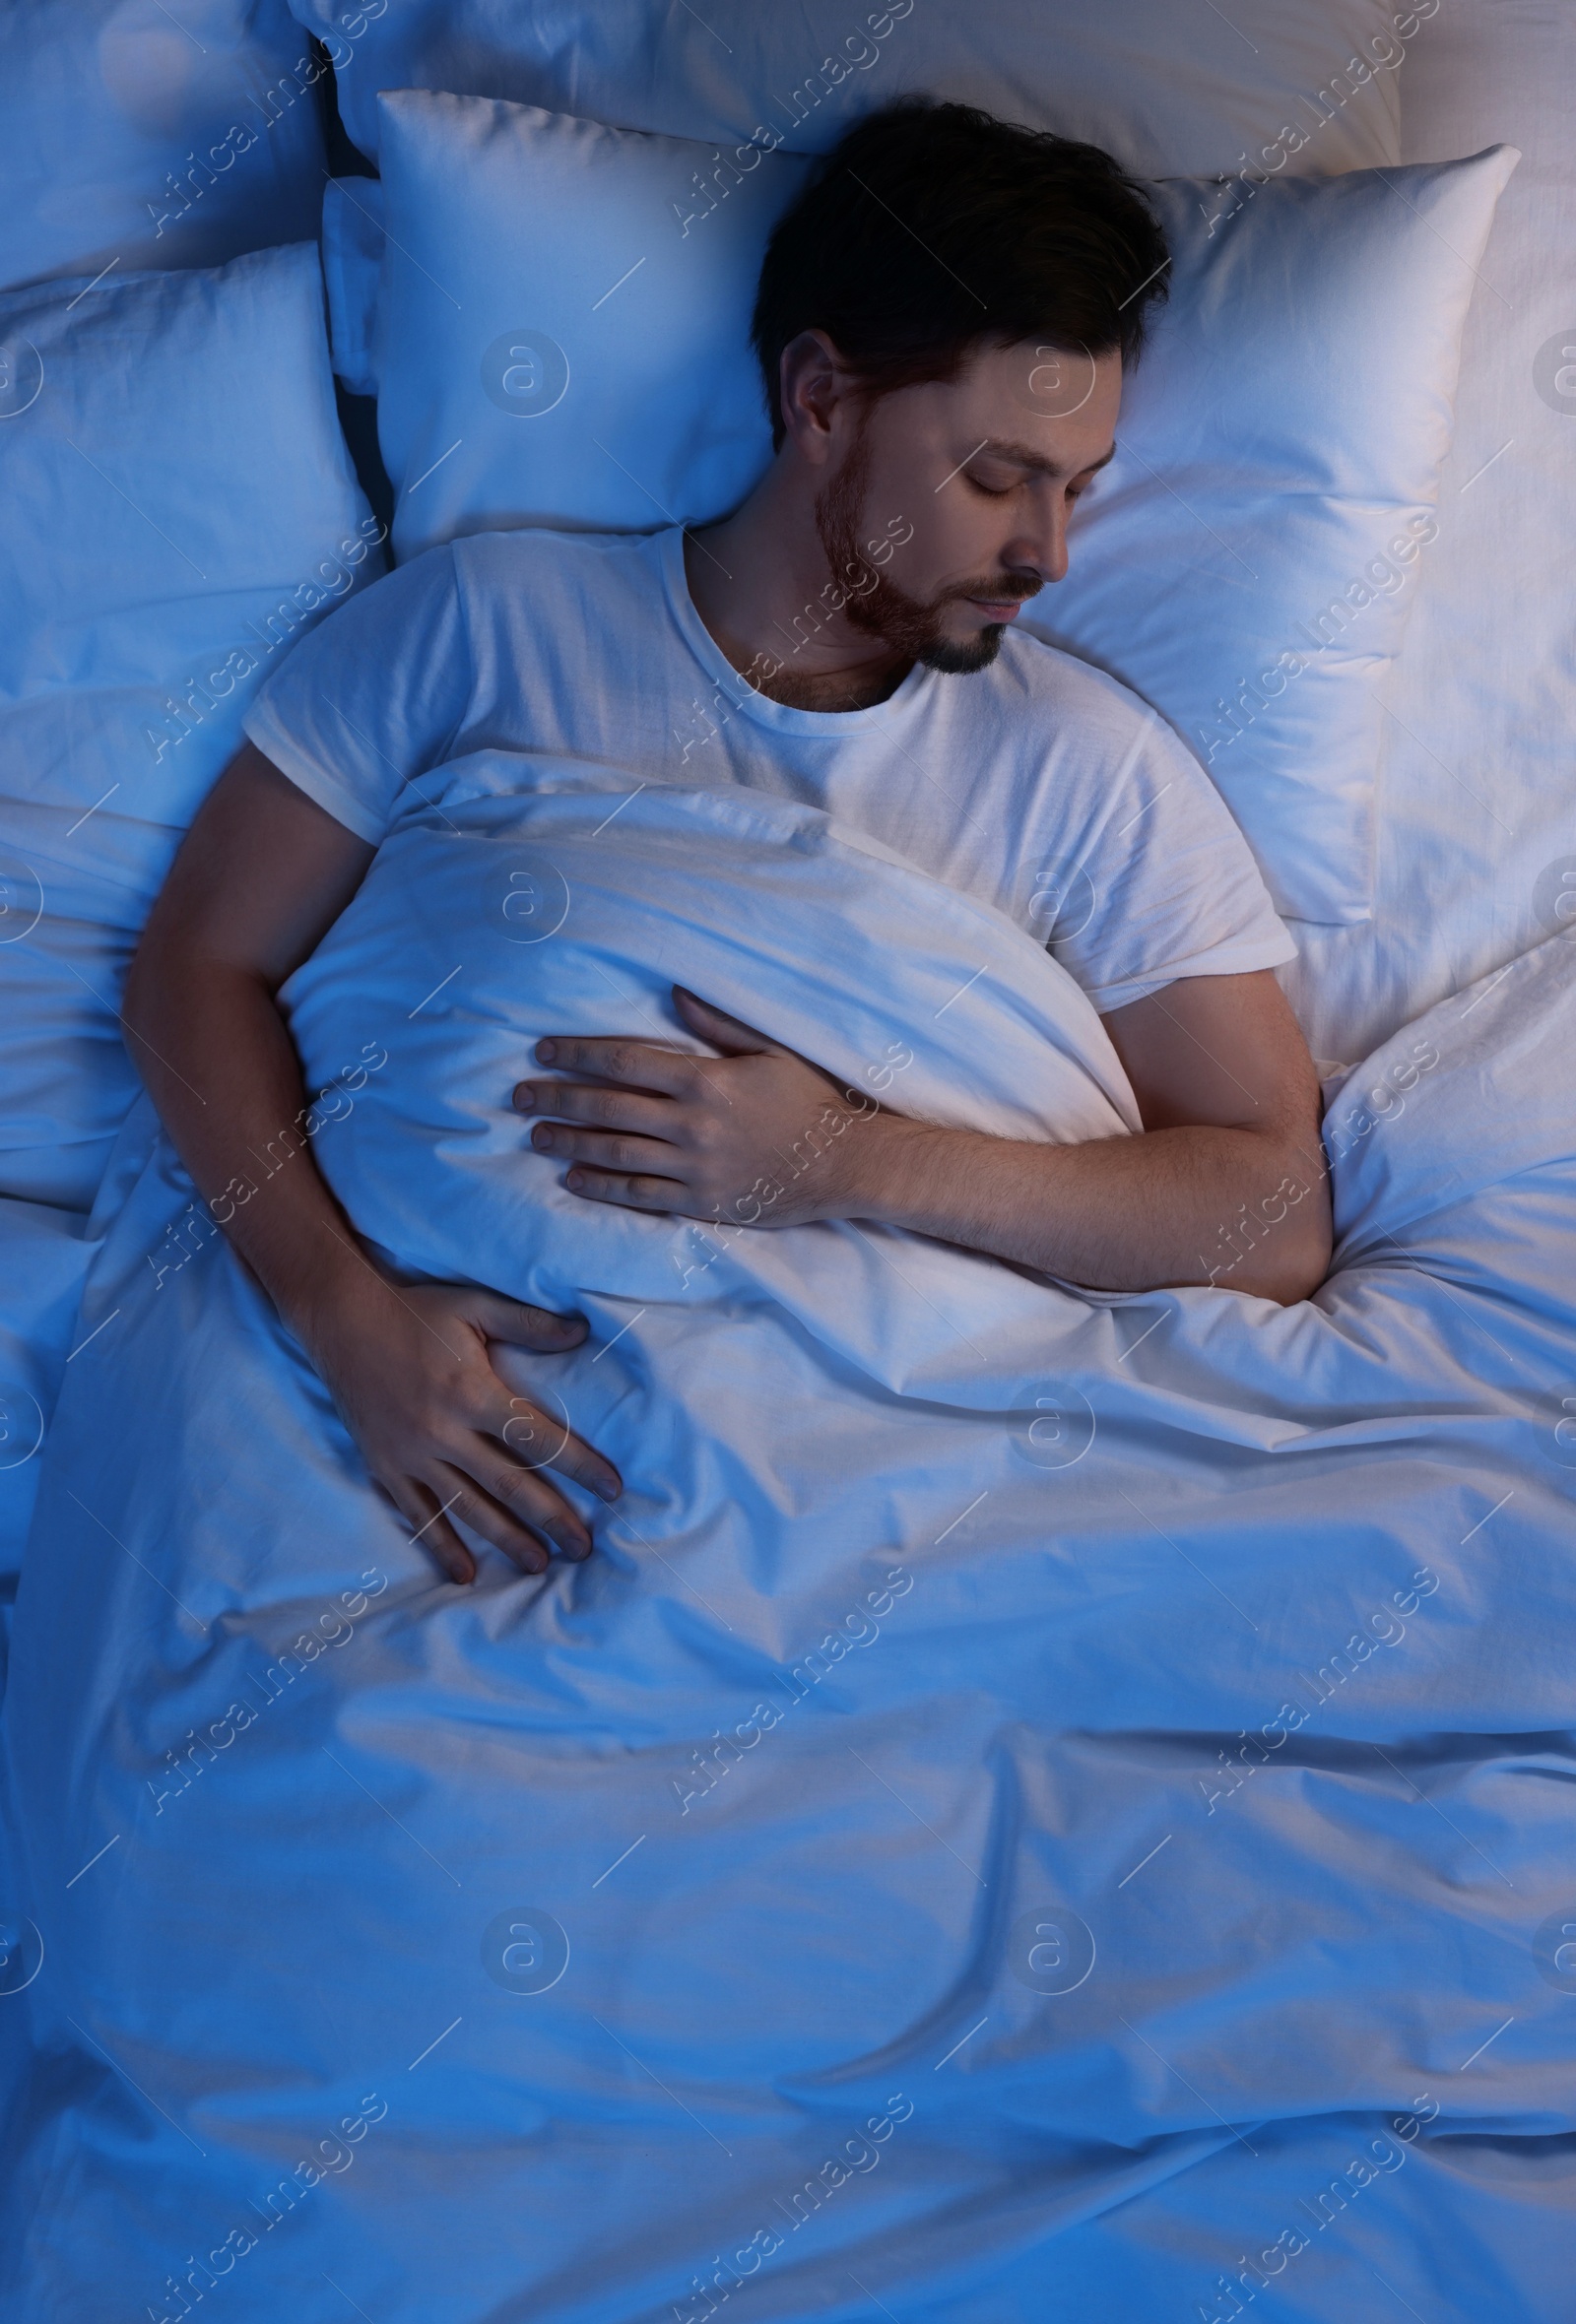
{"type": "Point", "coordinates": [1025, 456]}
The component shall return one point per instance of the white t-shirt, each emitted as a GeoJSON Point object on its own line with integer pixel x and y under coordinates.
{"type": "Point", "coordinates": [1038, 785]}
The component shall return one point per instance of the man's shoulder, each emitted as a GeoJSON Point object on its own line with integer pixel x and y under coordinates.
{"type": "Point", "coordinates": [540, 595]}
{"type": "Point", "coordinates": [486, 558]}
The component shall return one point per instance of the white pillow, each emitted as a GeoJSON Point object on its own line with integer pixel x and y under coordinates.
{"type": "Point", "coordinates": [179, 506]}
{"type": "Point", "coordinates": [137, 135]}
{"type": "Point", "coordinates": [1166, 88]}
{"type": "Point", "coordinates": [1281, 434]}
{"type": "Point", "coordinates": [1247, 561]}
{"type": "Point", "coordinates": [596, 375]}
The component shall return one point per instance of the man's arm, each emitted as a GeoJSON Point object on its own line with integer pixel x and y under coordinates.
{"type": "Point", "coordinates": [262, 874]}
{"type": "Point", "coordinates": [1225, 1185]}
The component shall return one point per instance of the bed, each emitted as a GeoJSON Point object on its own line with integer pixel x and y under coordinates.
{"type": "Point", "coordinates": [1043, 1804]}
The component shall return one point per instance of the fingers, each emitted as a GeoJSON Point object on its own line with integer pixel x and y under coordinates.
{"type": "Point", "coordinates": [629, 1190]}
{"type": "Point", "coordinates": [727, 1033]}
{"type": "Point", "coordinates": [512, 1321]}
{"type": "Point", "coordinates": [538, 1441]}
{"type": "Point", "coordinates": [509, 1503]}
{"type": "Point", "coordinates": [450, 1447]}
{"type": "Point", "coordinates": [511, 1498]}
{"type": "Point", "coordinates": [429, 1526]}
{"type": "Point", "coordinates": [535, 1439]}
{"type": "Point", "coordinates": [515, 1509]}
{"type": "Point", "coordinates": [603, 1107]}
{"type": "Point", "coordinates": [589, 1468]}
{"type": "Point", "coordinates": [646, 1156]}
{"type": "Point", "coordinates": [637, 1065]}
{"type": "Point", "coordinates": [518, 1510]}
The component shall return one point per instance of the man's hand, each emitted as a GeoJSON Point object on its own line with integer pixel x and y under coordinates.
{"type": "Point", "coordinates": [1226, 1186]}
{"type": "Point", "coordinates": [261, 875]}
{"type": "Point", "coordinates": [754, 1136]}
{"type": "Point", "coordinates": [441, 1434]}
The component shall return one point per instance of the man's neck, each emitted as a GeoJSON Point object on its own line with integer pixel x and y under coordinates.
{"type": "Point", "coordinates": [759, 582]}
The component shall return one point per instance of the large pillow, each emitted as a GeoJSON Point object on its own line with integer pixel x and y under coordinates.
{"type": "Point", "coordinates": [179, 506]}
{"type": "Point", "coordinates": [1248, 560]}
{"type": "Point", "coordinates": [1164, 86]}
{"type": "Point", "coordinates": [140, 135]}
{"type": "Point", "coordinates": [597, 374]}
{"type": "Point", "coordinates": [1246, 563]}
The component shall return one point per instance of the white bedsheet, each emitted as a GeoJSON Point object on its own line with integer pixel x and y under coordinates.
{"type": "Point", "coordinates": [1029, 1790]}
{"type": "Point", "coordinates": [43, 1259]}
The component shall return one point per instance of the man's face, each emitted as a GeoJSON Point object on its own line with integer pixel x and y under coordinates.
{"type": "Point", "coordinates": [955, 495]}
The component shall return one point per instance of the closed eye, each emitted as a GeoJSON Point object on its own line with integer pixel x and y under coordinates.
{"type": "Point", "coordinates": [1001, 491]}
{"type": "Point", "coordinates": [1090, 475]}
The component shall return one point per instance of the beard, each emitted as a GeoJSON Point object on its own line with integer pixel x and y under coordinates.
{"type": "Point", "coordinates": [910, 626]}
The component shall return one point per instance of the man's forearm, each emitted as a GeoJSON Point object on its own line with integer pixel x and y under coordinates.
{"type": "Point", "coordinates": [1245, 1210]}
{"type": "Point", "coordinates": [218, 1062]}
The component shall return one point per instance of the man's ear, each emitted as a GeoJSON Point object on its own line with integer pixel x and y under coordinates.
{"type": "Point", "coordinates": [811, 382]}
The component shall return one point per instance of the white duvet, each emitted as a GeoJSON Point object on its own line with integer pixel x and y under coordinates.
{"type": "Point", "coordinates": [1038, 1802]}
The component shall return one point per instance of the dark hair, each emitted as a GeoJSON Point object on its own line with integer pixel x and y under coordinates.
{"type": "Point", "coordinates": [932, 229]}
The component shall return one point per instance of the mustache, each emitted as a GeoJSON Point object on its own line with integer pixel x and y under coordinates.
{"type": "Point", "coordinates": [995, 590]}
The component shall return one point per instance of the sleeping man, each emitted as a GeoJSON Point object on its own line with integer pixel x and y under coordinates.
{"type": "Point", "coordinates": [943, 321]}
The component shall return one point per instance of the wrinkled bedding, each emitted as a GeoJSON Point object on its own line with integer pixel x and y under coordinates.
{"type": "Point", "coordinates": [1040, 1802]}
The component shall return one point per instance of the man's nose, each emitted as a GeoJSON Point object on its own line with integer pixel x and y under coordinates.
{"type": "Point", "coordinates": [1042, 549]}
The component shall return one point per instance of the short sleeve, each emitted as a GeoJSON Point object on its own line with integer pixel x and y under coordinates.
{"type": "Point", "coordinates": [371, 698]}
{"type": "Point", "coordinates": [1162, 885]}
